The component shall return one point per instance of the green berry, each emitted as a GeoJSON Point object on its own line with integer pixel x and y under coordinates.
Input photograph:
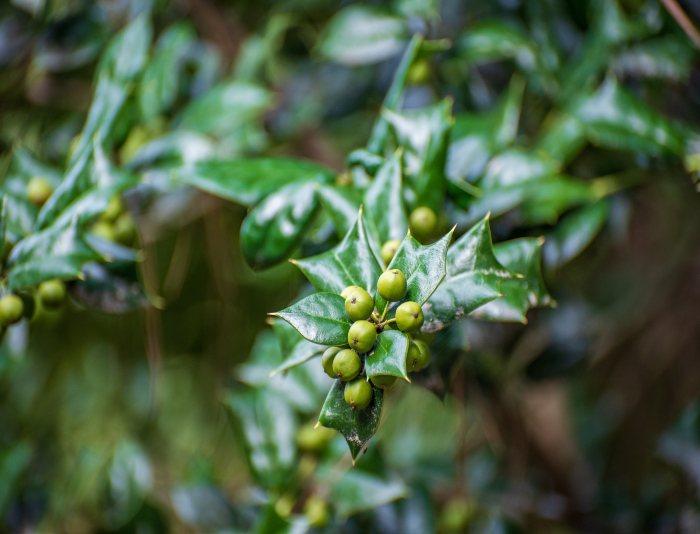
{"type": "Point", "coordinates": [409, 317]}
{"type": "Point", "coordinates": [114, 209]}
{"type": "Point", "coordinates": [346, 365]}
{"type": "Point", "coordinates": [312, 439]}
{"type": "Point", "coordinates": [51, 293]}
{"type": "Point", "coordinates": [124, 230]}
{"type": "Point", "coordinates": [424, 358]}
{"type": "Point", "coordinates": [346, 292]}
{"type": "Point", "coordinates": [359, 305]}
{"type": "Point", "coordinates": [39, 190]}
{"type": "Point", "coordinates": [383, 381]}
{"type": "Point", "coordinates": [104, 230]}
{"type": "Point", "coordinates": [422, 222]}
{"type": "Point", "coordinates": [316, 512]}
{"type": "Point", "coordinates": [412, 357]}
{"type": "Point", "coordinates": [358, 393]}
{"type": "Point", "coordinates": [389, 249]}
{"type": "Point", "coordinates": [11, 309]}
{"type": "Point", "coordinates": [362, 336]}
{"type": "Point", "coordinates": [327, 360]}
{"type": "Point", "coordinates": [392, 285]}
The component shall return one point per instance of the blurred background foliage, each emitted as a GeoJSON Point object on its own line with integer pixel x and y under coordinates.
{"type": "Point", "coordinates": [153, 412]}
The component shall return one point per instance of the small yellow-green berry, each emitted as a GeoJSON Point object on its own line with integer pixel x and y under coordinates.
{"type": "Point", "coordinates": [422, 223]}
{"type": "Point", "coordinates": [389, 250]}
{"type": "Point", "coordinates": [359, 305]}
{"type": "Point", "coordinates": [39, 190]}
{"type": "Point", "coordinates": [362, 335]}
{"type": "Point", "coordinates": [383, 381]}
{"type": "Point", "coordinates": [409, 317]}
{"type": "Point", "coordinates": [346, 365]}
{"type": "Point", "coordinates": [392, 285]}
{"type": "Point", "coordinates": [358, 393]}
{"type": "Point", "coordinates": [327, 360]}
{"type": "Point", "coordinates": [11, 309]}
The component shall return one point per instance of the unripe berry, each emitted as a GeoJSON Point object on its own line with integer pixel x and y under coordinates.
{"type": "Point", "coordinates": [346, 365]}
{"type": "Point", "coordinates": [409, 317]}
{"type": "Point", "coordinates": [11, 309]}
{"type": "Point", "coordinates": [316, 512]}
{"type": "Point", "coordinates": [104, 230]}
{"type": "Point", "coordinates": [362, 336]}
{"type": "Point", "coordinates": [424, 357]}
{"type": "Point", "coordinates": [392, 285]}
{"type": "Point", "coordinates": [359, 305]}
{"type": "Point", "coordinates": [115, 207]}
{"type": "Point", "coordinates": [51, 293]}
{"type": "Point", "coordinates": [346, 292]}
{"type": "Point", "coordinates": [39, 190]}
{"type": "Point", "coordinates": [327, 360]}
{"type": "Point", "coordinates": [383, 381]}
{"type": "Point", "coordinates": [358, 393]}
{"type": "Point", "coordinates": [412, 357]}
{"type": "Point", "coordinates": [389, 250]}
{"type": "Point", "coordinates": [422, 222]}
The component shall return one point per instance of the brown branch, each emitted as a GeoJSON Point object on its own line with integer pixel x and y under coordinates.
{"type": "Point", "coordinates": [682, 19]}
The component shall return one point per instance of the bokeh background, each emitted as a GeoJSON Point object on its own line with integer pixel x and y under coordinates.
{"type": "Point", "coordinates": [162, 418]}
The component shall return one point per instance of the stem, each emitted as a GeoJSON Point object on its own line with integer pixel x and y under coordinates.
{"type": "Point", "coordinates": [386, 309]}
{"type": "Point", "coordinates": [388, 322]}
{"type": "Point", "coordinates": [682, 19]}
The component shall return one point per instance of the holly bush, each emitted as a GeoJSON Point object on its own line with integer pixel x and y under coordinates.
{"type": "Point", "coordinates": [401, 267]}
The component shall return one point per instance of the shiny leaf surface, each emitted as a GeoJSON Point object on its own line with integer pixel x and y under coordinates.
{"type": "Point", "coordinates": [388, 356]}
{"type": "Point", "coordinates": [359, 490]}
{"type": "Point", "coordinates": [320, 318]}
{"type": "Point", "coordinates": [384, 201]}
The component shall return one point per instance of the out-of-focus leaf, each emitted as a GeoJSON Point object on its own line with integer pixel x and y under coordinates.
{"type": "Point", "coordinates": [368, 160]}
{"type": "Point", "coordinates": [664, 57]}
{"type": "Point", "coordinates": [423, 267]}
{"type": "Point", "coordinates": [496, 40]}
{"type": "Point", "coordinates": [359, 491]}
{"type": "Point", "coordinates": [350, 263]}
{"type": "Point", "coordinates": [424, 134]}
{"type": "Point", "coordinates": [563, 137]}
{"type": "Point", "coordinates": [273, 229]}
{"type": "Point", "coordinates": [574, 233]}
{"type": "Point", "coordinates": [474, 277]}
{"type": "Point", "coordinates": [248, 181]}
{"type": "Point", "coordinates": [613, 118]}
{"type": "Point", "coordinates": [301, 353]}
{"type": "Point", "coordinates": [357, 426]}
{"type": "Point", "coordinates": [522, 256]}
{"type": "Point", "coordinates": [56, 252]}
{"type": "Point", "coordinates": [360, 35]}
{"type": "Point", "coordinates": [175, 148]}
{"type": "Point", "coordinates": [13, 462]}
{"type": "Point", "coordinates": [159, 84]}
{"type": "Point", "coordinates": [107, 292]}
{"type": "Point", "coordinates": [516, 167]}
{"type": "Point", "coordinates": [271, 523]}
{"type": "Point", "coordinates": [389, 355]}
{"type": "Point", "coordinates": [225, 109]}
{"type": "Point", "coordinates": [384, 201]}
{"type": "Point", "coordinates": [258, 53]}
{"type": "Point", "coordinates": [425, 9]}
{"type": "Point", "coordinates": [26, 164]}
{"type": "Point", "coordinates": [269, 425]}
{"type": "Point", "coordinates": [342, 204]}
{"type": "Point", "coordinates": [127, 53]}
{"type": "Point", "coordinates": [320, 318]}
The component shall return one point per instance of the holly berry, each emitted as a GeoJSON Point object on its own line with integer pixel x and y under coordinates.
{"type": "Point", "coordinates": [409, 317]}
{"type": "Point", "coordinates": [424, 358]}
{"type": "Point", "coordinates": [359, 305]}
{"type": "Point", "coordinates": [316, 512]}
{"type": "Point", "coordinates": [124, 230]}
{"type": "Point", "coordinates": [51, 293]}
{"type": "Point", "coordinates": [39, 190]}
{"type": "Point", "coordinates": [389, 250]}
{"type": "Point", "coordinates": [412, 357]}
{"type": "Point", "coordinates": [392, 285]}
{"type": "Point", "coordinates": [104, 230]}
{"type": "Point", "coordinates": [346, 292]}
{"type": "Point", "coordinates": [383, 381]}
{"type": "Point", "coordinates": [358, 393]}
{"type": "Point", "coordinates": [346, 365]}
{"type": "Point", "coordinates": [422, 222]}
{"type": "Point", "coordinates": [362, 336]}
{"type": "Point", "coordinates": [327, 360]}
{"type": "Point", "coordinates": [115, 207]}
{"type": "Point", "coordinates": [11, 309]}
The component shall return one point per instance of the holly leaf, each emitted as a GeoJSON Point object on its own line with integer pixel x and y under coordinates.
{"type": "Point", "coordinates": [474, 275]}
{"type": "Point", "coordinates": [274, 228]}
{"type": "Point", "coordinates": [384, 201]}
{"type": "Point", "coordinates": [423, 267]}
{"type": "Point", "coordinates": [301, 353]}
{"type": "Point", "coordinates": [389, 355]}
{"type": "Point", "coordinates": [248, 181]}
{"type": "Point", "coordinates": [107, 291]}
{"type": "Point", "coordinates": [357, 426]}
{"type": "Point", "coordinates": [521, 256]}
{"type": "Point", "coordinates": [350, 263]}
{"type": "Point", "coordinates": [320, 318]}
{"type": "Point", "coordinates": [342, 204]}
{"type": "Point", "coordinates": [359, 491]}
{"type": "Point", "coordinates": [127, 52]}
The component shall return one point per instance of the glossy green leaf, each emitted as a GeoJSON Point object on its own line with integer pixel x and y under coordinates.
{"type": "Point", "coordinates": [424, 134]}
{"type": "Point", "coordinates": [423, 267]}
{"type": "Point", "coordinates": [614, 118]}
{"type": "Point", "coordinates": [359, 491]}
{"type": "Point", "coordinates": [522, 256]}
{"type": "Point", "coordinates": [159, 84]}
{"type": "Point", "coordinates": [425, 9]}
{"type": "Point", "coordinates": [127, 53]}
{"type": "Point", "coordinates": [563, 137]}
{"type": "Point", "coordinates": [56, 252]}
{"type": "Point", "coordinates": [474, 277]}
{"type": "Point", "coordinates": [248, 181]}
{"type": "Point", "coordinates": [662, 57]}
{"type": "Point", "coordinates": [360, 35]}
{"type": "Point", "coordinates": [574, 233]}
{"type": "Point", "coordinates": [174, 149]}
{"type": "Point", "coordinates": [269, 424]}
{"type": "Point", "coordinates": [495, 40]}
{"type": "Point", "coordinates": [350, 263]}
{"type": "Point", "coordinates": [320, 318]}
{"type": "Point", "coordinates": [259, 53]}
{"type": "Point", "coordinates": [342, 204]}
{"type": "Point", "coordinates": [357, 426]}
{"type": "Point", "coordinates": [29, 166]}
{"type": "Point", "coordinates": [384, 201]}
{"type": "Point", "coordinates": [516, 167]}
{"type": "Point", "coordinates": [368, 160]}
{"type": "Point", "coordinates": [388, 356]}
{"type": "Point", "coordinates": [106, 291]}
{"type": "Point", "coordinates": [301, 353]}
{"type": "Point", "coordinates": [225, 109]}
{"type": "Point", "coordinates": [287, 336]}
{"type": "Point", "coordinates": [270, 522]}
{"type": "Point", "coordinates": [273, 229]}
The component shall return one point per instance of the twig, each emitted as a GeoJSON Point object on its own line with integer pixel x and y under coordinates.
{"type": "Point", "coordinates": [682, 19]}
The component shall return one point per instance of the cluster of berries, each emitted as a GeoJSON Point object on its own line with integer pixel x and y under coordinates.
{"type": "Point", "coordinates": [347, 364]}
{"type": "Point", "coordinates": [14, 306]}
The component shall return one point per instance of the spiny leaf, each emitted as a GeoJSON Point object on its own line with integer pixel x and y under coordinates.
{"type": "Point", "coordinates": [320, 318]}
{"type": "Point", "coordinates": [389, 355]}
{"type": "Point", "coordinates": [384, 201]}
